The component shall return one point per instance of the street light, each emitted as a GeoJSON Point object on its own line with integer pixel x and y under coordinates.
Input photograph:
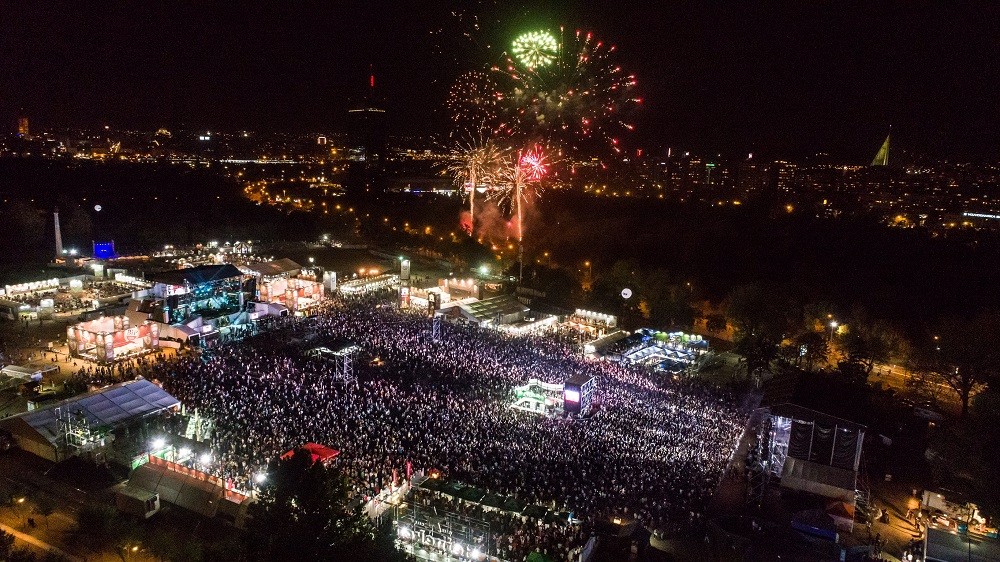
{"type": "Point", "coordinates": [833, 327]}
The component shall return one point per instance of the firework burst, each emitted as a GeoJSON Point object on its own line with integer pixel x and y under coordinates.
{"type": "Point", "coordinates": [473, 102]}
{"type": "Point", "coordinates": [474, 163]}
{"type": "Point", "coordinates": [523, 173]}
{"type": "Point", "coordinates": [520, 176]}
{"type": "Point", "coordinates": [579, 101]}
{"type": "Point", "coordinates": [535, 49]}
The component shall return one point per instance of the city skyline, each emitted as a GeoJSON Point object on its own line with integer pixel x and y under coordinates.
{"type": "Point", "coordinates": [775, 80]}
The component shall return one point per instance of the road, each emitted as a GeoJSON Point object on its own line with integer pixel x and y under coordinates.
{"type": "Point", "coordinates": [906, 384]}
{"type": "Point", "coordinates": [23, 486]}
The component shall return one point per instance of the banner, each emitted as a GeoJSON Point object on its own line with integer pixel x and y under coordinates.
{"type": "Point", "coordinates": [71, 342]}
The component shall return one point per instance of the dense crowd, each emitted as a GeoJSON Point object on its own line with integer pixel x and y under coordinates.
{"type": "Point", "coordinates": [653, 450]}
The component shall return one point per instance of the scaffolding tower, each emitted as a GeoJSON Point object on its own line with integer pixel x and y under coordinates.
{"type": "Point", "coordinates": [441, 534]}
{"type": "Point", "coordinates": [760, 463]}
{"type": "Point", "coordinates": [76, 433]}
{"type": "Point", "coordinates": [436, 327]}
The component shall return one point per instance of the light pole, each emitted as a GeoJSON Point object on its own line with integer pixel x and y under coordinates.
{"type": "Point", "coordinates": [833, 328]}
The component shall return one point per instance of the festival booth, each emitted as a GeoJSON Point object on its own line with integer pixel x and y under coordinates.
{"type": "Point", "coordinates": [295, 293]}
{"type": "Point", "coordinates": [318, 453]}
{"type": "Point", "coordinates": [673, 352]}
{"type": "Point", "coordinates": [538, 397]}
{"type": "Point", "coordinates": [595, 324]}
{"type": "Point", "coordinates": [368, 284]}
{"type": "Point", "coordinates": [112, 338]}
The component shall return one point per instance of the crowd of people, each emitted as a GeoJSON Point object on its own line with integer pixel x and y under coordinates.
{"type": "Point", "coordinates": [653, 450]}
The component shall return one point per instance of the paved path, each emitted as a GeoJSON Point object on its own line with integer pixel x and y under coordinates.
{"type": "Point", "coordinates": [38, 543]}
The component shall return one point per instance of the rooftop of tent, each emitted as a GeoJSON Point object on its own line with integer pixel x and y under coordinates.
{"type": "Point", "coordinates": [196, 275]}
{"type": "Point", "coordinates": [808, 415]}
{"type": "Point", "coordinates": [110, 406]}
{"type": "Point", "coordinates": [487, 309]}
{"type": "Point", "coordinates": [283, 266]}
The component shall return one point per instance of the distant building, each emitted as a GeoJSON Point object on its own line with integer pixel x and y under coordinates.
{"type": "Point", "coordinates": [368, 139]}
{"type": "Point", "coordinates": [368, 133]}
{"type": "Point", "coordinates": [783, 176]}
{"type": "Point", "coordinates": [696, 175]}
{"type": "Point", "coordinates": [751, 177]}
{"type": "Point", "coordinates": [23, 130]}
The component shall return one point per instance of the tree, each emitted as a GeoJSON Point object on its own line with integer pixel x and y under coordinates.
{"type": "Point", "coordinates": [760, 321]}
{"type": "Point", "coordinates": [21, 555]}
{"type": "Point", "coordinates": [925, 384]}
{"type": "Point", "coordinates": [44, 507]}
{"type": "Point", "coordinates": [965, 354]}
{"type": "Point", "coordinates": [815, 348]}
{"type": "Point", "coordinates": [8, 553]}
{"type": "Point", "coordinates": [964, 451]}
{"type": "Point", "coordinates": [101, 528]}
{"type": "Point", "coordinates": [665, 303]}
{"type": "Point", "coordinates": [230, 548]}
{"type": "Point", "coordinates": [161, 544]}
{"type": "Point", "coordinates": [6, 544]}
{"type": "Point", "coordinates": [21, 225]}
{"type": "Point", "coordinates": [716, 323]}
{"type": "Point", "coordinates": [302, 508]}
{"type": "Point", "coordinates": [869, 342]}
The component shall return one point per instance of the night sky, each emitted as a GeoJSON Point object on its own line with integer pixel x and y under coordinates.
{"type": "Point", "coordinates": [784, 80]}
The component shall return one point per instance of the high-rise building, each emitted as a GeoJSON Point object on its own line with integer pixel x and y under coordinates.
{"type": "Point", "coordinates": [751, 177]}
{"type": "Point", "coordinates": [368, 136]}
{"type": "Point", "coordinates": [368, 128]}
{"type": "Point", "coordinates": [369, 133]}
{"type": "Point", "coordinates": [697, 173]}
{"type": "Point", "coordinates": [22, 127]}
{"type": "Point", "coordinates": [782, 175]}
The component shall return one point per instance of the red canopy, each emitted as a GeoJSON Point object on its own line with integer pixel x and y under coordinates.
{"type": "Point", "coordinates": [319, 453]}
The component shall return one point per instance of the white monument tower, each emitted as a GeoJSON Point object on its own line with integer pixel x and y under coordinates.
{"type": "Point", "coordinates": [59, 247]}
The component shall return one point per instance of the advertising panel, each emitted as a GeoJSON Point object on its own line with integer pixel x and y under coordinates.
{"type": "Point", "coordinates": [129, 336]}
{"type": "Point", "coordinates": [71, 342]}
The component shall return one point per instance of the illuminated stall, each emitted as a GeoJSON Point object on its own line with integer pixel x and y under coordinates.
{"type": "Point", "coordinates": [286, 283]}
{"type": "Point", "coordinates": [296, 293]}
{"type": "Point", "coordinates": [112, 338]}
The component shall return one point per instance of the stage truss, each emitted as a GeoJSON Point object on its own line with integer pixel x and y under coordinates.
{"type": "Point", "coordinates": [435, 534]}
